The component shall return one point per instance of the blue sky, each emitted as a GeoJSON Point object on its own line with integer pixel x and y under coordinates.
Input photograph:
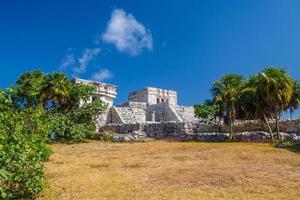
{"type": "Point", "coordinates": [180, 45]}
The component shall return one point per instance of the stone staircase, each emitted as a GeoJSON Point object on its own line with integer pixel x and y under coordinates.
{"type": "Point", "coordinates": [186, 113]}
{"type": "Point", "coordinates": [131, 115]}
{"type": "Point", "coordinates": [126, 114]}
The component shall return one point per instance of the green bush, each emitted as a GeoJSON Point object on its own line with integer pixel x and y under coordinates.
{"type": "Point", "coordinates": [23, 149]}
{"type": "Point", "coordinates": [21, 166]}
{"type": "Point", "coordinates": [78, 124]}
{"type": "Point", "coordinates": [39, 106]}
{"type": "Point", "coordinates": [106, 135]}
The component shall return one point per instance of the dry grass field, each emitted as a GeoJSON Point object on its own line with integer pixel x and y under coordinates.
{"type": "Point", "coordinates": [172, 170]}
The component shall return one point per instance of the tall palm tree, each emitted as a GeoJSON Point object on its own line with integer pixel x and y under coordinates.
{"type": "Point", "coordinates": [273, 87]}
{"type": "Point", "coordinates": [295, 99]}
{"type": "Point", "coordinates": [250, 104]}
{"type": "Point", "coordinates": [225, 93]}
{"type": "Point", "coordinates": [57, 89]}
{"type": "Point", "coordinates": [29, 87]}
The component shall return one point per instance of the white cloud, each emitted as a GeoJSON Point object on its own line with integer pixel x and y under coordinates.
{"type": "Point", "coordinates": [68, 61]}
{"type": "Point", "coordinates": [87, 56]}
{"type": "Point", "coordinates": [127, 34]}
{"type": "Point", "coordinates": [102, 75]}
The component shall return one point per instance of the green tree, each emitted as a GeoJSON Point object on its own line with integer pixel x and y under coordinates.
{"type": "Point", "coordinates": [57, 90]}
{"type": "Point", "coordinates": [225, 94]}
{"type": "Point", "coordinates": [267, 95]}
{"type": "Point", "coordinates": [208, 109]}
{"type": "Point", "coordinates": [295, 99]}
{"type": "Point", "coordinates": [79, 93]}
{"type": "Point", "coordinates": [29, 88]}
{"type": "Point", "coordinates": [26, 121]}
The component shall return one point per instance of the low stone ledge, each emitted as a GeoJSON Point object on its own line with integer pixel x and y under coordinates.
{"type": "Point", "coordinates": [295, 139]}
{"type": "Point", "coordinates": [254, 136]}
{"type": "Point", "coordinates": [212, 137]}
{"type": "Point", "coordinates": [200, 132]}
{"type": "Point", "coordinates": [136, 136]}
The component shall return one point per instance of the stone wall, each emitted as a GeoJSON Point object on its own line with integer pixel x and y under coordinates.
{"type": "Point", "coordinates": [287, 126]}
{"type": "Point", "coordinates": [165, 129]}
{"type": "Point", "coordinates": [159, 130]}
{"type": "Point", "coordinates": [185, 131]}
{"type": "Point", "coordinates": [186, 113]}
{"type": "Point", "coordinates": [131, 104]}
{"type": "Point", "coordinates": [152, 95]}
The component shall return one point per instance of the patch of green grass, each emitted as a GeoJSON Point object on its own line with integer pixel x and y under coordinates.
{"type": "Point", "coordinates": [289, 145]}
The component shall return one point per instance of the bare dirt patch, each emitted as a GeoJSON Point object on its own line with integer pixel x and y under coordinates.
{"type": "Point", "coordinates": [172, 170]}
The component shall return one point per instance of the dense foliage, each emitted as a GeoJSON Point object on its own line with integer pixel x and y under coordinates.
{"type": "Point", "coordinates": [225, 93]}
{"type": "Point", "coordinates": [23, 146]}
{"type": "Point", "coordinates": [209, 110]}
{"type": "Point", "coordinates": [263, 96]}
{"type": "Point", "coordinates": [40, 108]}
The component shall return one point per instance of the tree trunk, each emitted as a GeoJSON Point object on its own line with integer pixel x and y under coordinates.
{"type": "Point", "coordinates": [217, 123]}
{"type": "Point", "coordinates": [231, 126]}
{"type": "Point", "coordinates": [277, 127]}
{"type": "Point", "coordinates": [269, 127]}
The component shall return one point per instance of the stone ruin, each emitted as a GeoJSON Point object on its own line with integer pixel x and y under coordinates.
{"type": "Point", "coordinates": [149, 104]}
{"type": "Point", "coordinates": [154, 113]}
{"type": "Point", "coordinates": [105, 92]}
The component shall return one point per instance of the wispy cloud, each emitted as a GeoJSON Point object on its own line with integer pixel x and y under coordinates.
{"type": "Point", "coordinates": [123, 31]}
{"type": "Point", "coordinates": [87, 56]}
{"type": "Point", "coordinates": [127, 34]}
{"type": "Point", "coordinates": [102, 75]}
{"type": "Point", "coordinates": [68, 61]}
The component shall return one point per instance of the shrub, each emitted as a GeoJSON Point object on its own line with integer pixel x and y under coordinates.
{"type": "Point", "coordinates": [37, 107]}
{"type": "Point", "coordinates": [106, 135]}
{"type": "Point", "coordinates": [21, 166]}
{"type": "Point", "coordinates": [78, 124]}
{"type": "Point", "coordinates": [23, 148]}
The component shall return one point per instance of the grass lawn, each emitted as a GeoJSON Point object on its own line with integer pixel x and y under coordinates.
{"type": "Point", "coordinates": [171, 170]}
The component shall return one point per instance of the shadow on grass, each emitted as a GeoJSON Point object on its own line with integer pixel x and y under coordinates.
{"type": "Point", "coordinates": [288, 146]}
{"type": "Point", "coordinates": [294, 148]}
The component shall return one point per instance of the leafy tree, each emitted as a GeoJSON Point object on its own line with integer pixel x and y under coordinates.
{"type": "Point", "coordinates": [57, 90]}
{"type": "Point", "coordinates": [29, 89]}
{"type": "Point", "coordinates": [38, 106]}
{"type": "Point", "coordinates": [208, 109]}
{"type": "Point", "coordinates": [225, 94]}
{"type": "Point", "coordinates": [266, 95]}
{"type": "Point", "coordinates": [295, 99]}
{"type": "Point", "coordinates": [79, 93]}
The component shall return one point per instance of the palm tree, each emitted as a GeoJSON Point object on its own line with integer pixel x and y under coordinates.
{"type": "Point", "coordinates": [29, 88]}
{"type": "Point", "coordinates": [295, 99]}
{"type": "Point", "coordinates": [57, 89]}
{"type": "Point", "coordinates": [251, 106]}
{"type": "Point", "coordinates": [225, 93]}
{"type": "Point", "coordinates": [273, 87]}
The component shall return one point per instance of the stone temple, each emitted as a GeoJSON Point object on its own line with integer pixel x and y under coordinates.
{"type": "Point", "coordinates": [147, 105]}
